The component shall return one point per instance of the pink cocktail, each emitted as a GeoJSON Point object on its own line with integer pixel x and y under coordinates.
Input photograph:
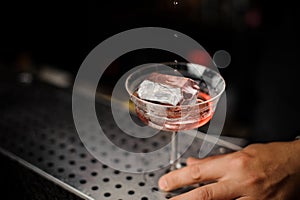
{"type": "Point", "coordinates": [175, 96]}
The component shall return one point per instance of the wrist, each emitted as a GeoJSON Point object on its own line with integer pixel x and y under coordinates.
{"type": "Point", "coordinates": [294, 151]}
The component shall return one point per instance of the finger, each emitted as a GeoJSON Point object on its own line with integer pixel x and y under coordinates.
{"type": "Point", "coordinates": [216, 191]}
{"type": "Point", "coordinates": [196, 173]}
{"type": "Point", "coordinates": [192, 160]}
{"type": "Point", "coordinates": [246, 198]}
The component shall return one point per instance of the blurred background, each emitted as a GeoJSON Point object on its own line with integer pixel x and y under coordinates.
{"type": "Point", "coordinates": [51, 39]}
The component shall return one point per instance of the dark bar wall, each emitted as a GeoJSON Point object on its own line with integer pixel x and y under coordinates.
{"type": "Point", "coordinates": [261, 38]}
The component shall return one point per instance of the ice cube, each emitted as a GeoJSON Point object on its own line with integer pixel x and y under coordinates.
{"type": "Point", "coordinates": [168, 89]}
{"type": "Point", "coordinates": [157, 92]}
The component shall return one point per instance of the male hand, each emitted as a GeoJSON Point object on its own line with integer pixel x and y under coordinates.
{"type": "Point", "coordinates": [259, 171]}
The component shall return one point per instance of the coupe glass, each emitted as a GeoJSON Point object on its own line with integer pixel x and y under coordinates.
{"type": "Point", "coordinates": [180, 117]}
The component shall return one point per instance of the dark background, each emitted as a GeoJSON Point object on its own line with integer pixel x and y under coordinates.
{"type": "Point", "coordinates": [262, 38]}
{"type": "Point", "coordinates": [262, 79]}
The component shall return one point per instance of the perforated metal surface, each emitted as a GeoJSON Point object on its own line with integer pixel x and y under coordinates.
{"type": "Point", "coordinates": [36, 124]}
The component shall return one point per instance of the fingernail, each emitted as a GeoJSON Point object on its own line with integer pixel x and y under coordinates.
{"type": "Point", "coordinates": [163, 184]}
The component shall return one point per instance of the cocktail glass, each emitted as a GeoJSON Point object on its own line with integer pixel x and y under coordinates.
{"type": "Point", "coordinates": [179, 117]}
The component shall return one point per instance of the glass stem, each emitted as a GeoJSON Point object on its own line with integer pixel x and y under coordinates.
{"type": "Point", "coordinates": [174, 154]}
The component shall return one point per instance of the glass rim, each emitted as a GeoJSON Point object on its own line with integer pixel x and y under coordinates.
{"type": "Point", "coordinates": [181, 106]}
